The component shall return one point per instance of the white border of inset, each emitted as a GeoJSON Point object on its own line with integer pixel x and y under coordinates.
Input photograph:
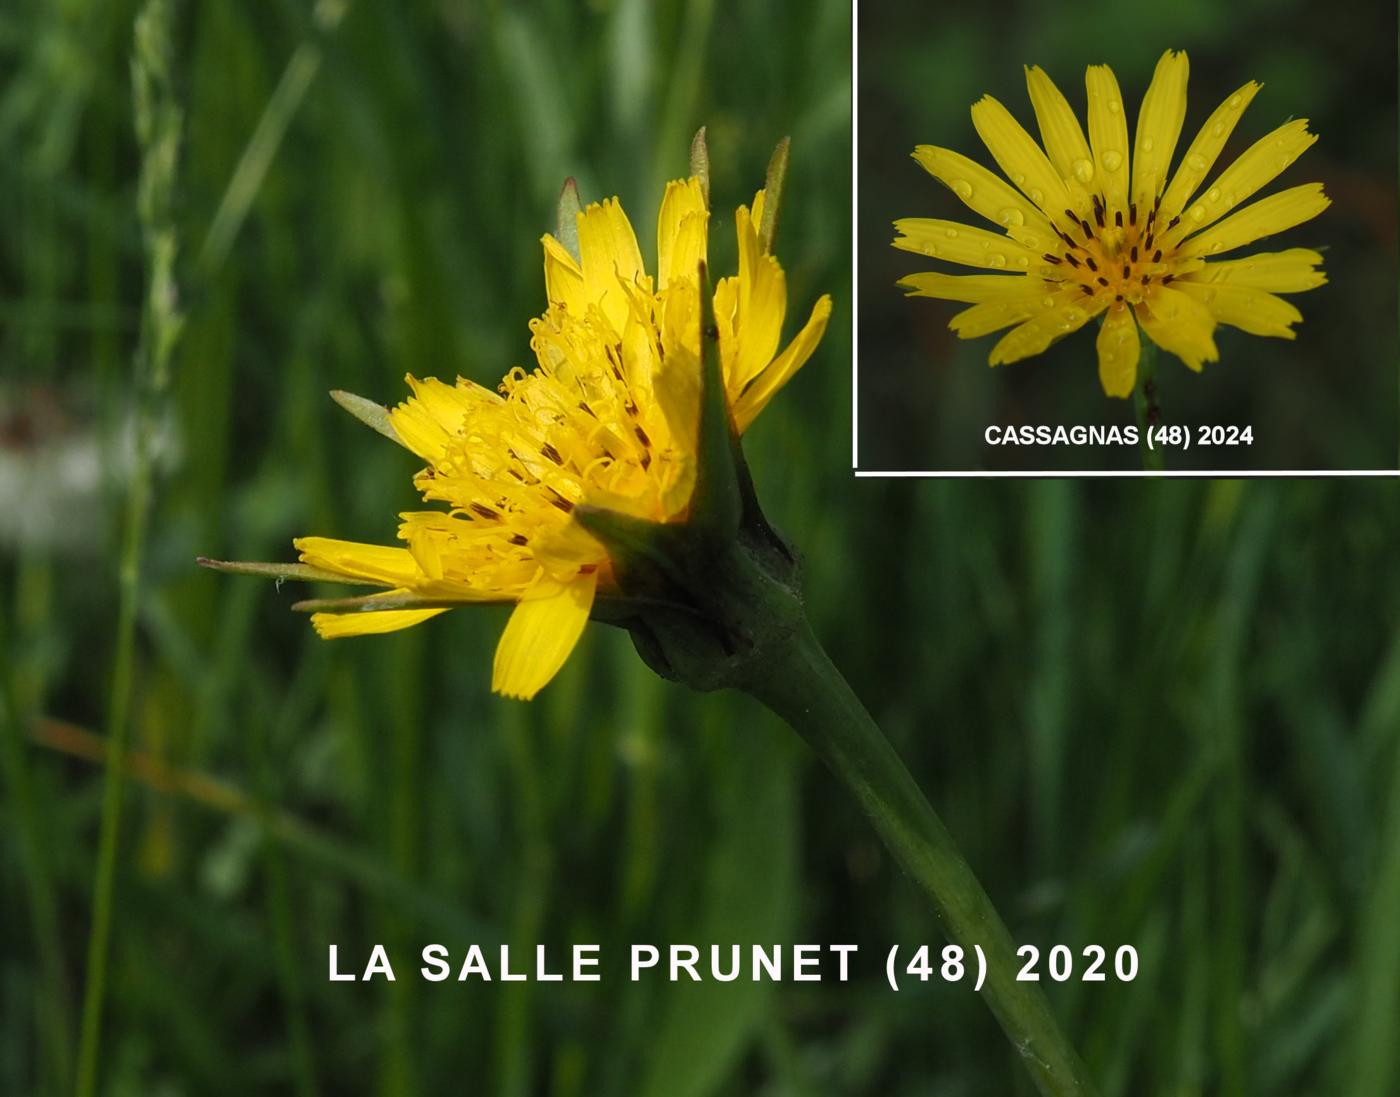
{"type": "Point", "coordinates": [999, 474]}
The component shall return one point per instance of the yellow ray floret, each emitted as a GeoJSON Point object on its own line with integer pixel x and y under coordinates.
{"type": "Point", "coordinates": [607, 417]}
{"type": "Point", "coordinates": [1084, 229]}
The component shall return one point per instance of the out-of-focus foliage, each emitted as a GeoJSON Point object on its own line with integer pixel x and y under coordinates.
{"type": "Point", "coordinates": [1326, 400]}
{"type": "Point", "coordinates": [1159, 714]}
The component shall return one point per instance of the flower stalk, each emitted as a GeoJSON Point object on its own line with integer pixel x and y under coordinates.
{"type": "Point", "coordinates": [1149, 412]}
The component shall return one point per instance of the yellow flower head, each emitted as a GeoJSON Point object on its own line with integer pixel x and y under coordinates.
{"type": "Point", "coordinates": [607, 418]}
{"type": "Point", "coordinates": [1090, 229]}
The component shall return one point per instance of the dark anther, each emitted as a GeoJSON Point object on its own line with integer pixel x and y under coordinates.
{"type": "Point", "coordinates": [1098, 214]}
{"type": "Point", "coordinates": [1125, 270]}
{"type": "Point", "coordinates": [1092, 265]}
{"type": "Point", "coordinates": [1103, 281]}
{"type": "Point", "coordinates": [1132, 213]}
{"type": "Point", "coordinates": [1173, 223]}
{"type": "Point", "coordinates": [1088, 232]}
{"type": "Point", "coordinates": [1169, 279]}
{"type": "Point", "coordinates": [1134, 253]}
{"type": "Point", "coordinates": [1157, 256]}
{"type": "Point", "coordinates": [1073, 261]}
{"type": "Point", "coordinates": [1119, 298]}
{"type": "Point", "coordinates": [1051, 258]}
{"type": "Point", "coordinates": [552, 453]}
{"type": "Point", "coordinates": [1118, 219]}
{"type": "Point", "coordinates": [517, 539]}
{"type": "Point", "coordinates": [1070, 214]}
{"type": "Point", "coordinates": [484, 511]}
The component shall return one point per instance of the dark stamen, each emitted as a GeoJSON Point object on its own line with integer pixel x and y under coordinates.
{"type": "Point", "coordinates": [1088, 232]}
{"type": "Point", "coordinates": [1118, 219]}
{"type": "Point", "coordinates": [1073, 261]}
{"type": "Point", "coordinates": [1051, 258]}
{"type": "Point", "coordinates": [1092, 265]}
{"type": "Point", "coordinates": [1173, 223]}
{"type": "Point", "coordinates": [1132, 213]}
{"type": "Point", "coordinates": [1157, 256]}
{"type": "Point", "coordinates": [1169, 279]}
{"type": "Point", "coordinates": [552, 453]}
{"type": "Point", "coordinates": [1103, 281]}
{"type": "Point", "coordinates": [1125, 270]}
{"type": "Point", "coordinates": [1098, 214]}
{"type": "Point", "coordinates": [1134, 253]}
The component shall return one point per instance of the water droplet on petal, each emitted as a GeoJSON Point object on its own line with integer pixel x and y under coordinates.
{"type": "Point", "coordinates": [1213, 195]}
{"type": "Point", "coordinates": [1048, 302]}
{"type": "Point", "coordinates": [1217, 129]}
{"type": "Point", "coordinates": [1012, 216]}
{"type": "Point", "coordinates": [952, 234]}
{"type": "Point", "coordinates": [998, 261]}
{"type": "Point", "coordinates": [1037, 195]}
{"type": "Point", "coordinates": [1197, 162]}
{"type": "Point", "coordinates": [1235, 101]}
{"type": "Point", "coordinates": [962, 188]}
{"type": "Point", "coordinates": [1022, 261]}
{"type": "Point", "coordinates": [1083, 171]}
{"type": "Point", "coordinates": [1147, 144]}
{"type": "Point", "coordinates": [1215, 247]}
{"type": "Point", "coordinates": [1114, 106]}
{"type": "Point", "coordinates": [1198, 212]}
{"type": "Point", "coordinates": [1018, 178]}
{"type": "Point", "coordinates": [1112, 160]}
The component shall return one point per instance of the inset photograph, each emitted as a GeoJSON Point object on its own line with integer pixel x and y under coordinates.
{"type": "Point", "coordinates": [1107, 240]}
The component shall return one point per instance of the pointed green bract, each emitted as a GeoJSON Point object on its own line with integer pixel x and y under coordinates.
{"type": "Point", "coordinates": [303, 573]}
{"type": "Point", "coordinates": [570, 206]}
{"type": "Point", "coordinates": [716, 504]}
{"type": "Point", "coordinates": [773, 194]}
{"type": "Point", "coordinates": [700, 162]}
{"type": "Point", "coordinates": [373, 415]}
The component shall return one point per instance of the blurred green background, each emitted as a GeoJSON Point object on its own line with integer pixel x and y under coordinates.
{"type": "Point", "coordinates": [1159, 714]}
{"type": "Point", "coordinates": [1326, 400]}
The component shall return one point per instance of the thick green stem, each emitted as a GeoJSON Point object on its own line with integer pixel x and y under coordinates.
{"type": "Point", "coordinates": [804, 687]}
{"type": "Point", "coordinates": [1149, 412]}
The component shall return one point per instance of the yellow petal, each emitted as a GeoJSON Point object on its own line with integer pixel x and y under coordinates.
{"type": "Point", "coordinates": [435, 412]}
{"type": "Point", "coordinates": [1019, 156]}
{"type": "Point", "coordinates": [378, 563]}
{"type": "Point", "coordinates": [988, 196]}
{"type": "Point", "coordinates": [989, 316]}
{"type": "Point", "coordinates": [682, 228]}
{"type": "Point", "coordinates": [1265, 217]}
{"type": "Point", "coordinates": [1250, 310]}
{"type": "Point", "coordinates": [1060, 129]}
{"type": "Point", "coordinates": [608, 247]}
{"type": "Point", "coordinates": [1119, 349]}
{"type": "Point", "coordinates": [964, 244]}
{"type": "Point", "coordinates": [793, 358]}
{"type": "Point", "coordinates": [971, 288]}
{"type": "Point", "coordinates": [1159, 127]}
{"type": "Point", "coordinates": [1036, 334]}
{"type": "Point", "coordinates": [1291, 271]}
{"type": "Point", "coordinates": [335, 626]}
{"type": "Point", "coordinates": [563, 280]}
{"type": "Point", "coordinates": [540, 635]}
{"type": "Point", "coordinates": [760, 307]}
{"type": "Point", "coordinates": [1180, 325]}
{"type": "Point", "coordinates": [1108, 135]}
{"type": "Point", "coordinates": [1200, 155]}
{"type": "Point", "coordinates": [1256, 168]}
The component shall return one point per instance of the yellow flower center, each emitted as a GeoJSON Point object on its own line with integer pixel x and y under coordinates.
{"type": "Point", "coordinates": [1116, 255]}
